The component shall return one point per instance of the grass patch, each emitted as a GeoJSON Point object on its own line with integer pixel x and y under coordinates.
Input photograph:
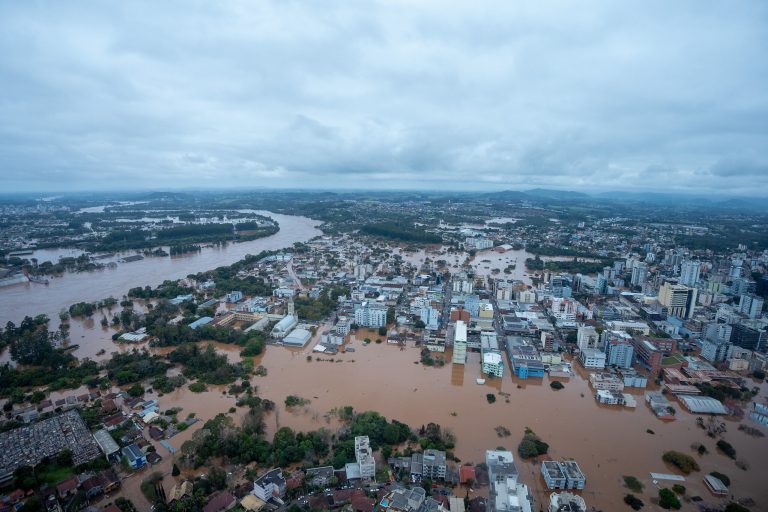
{"type": "Point", "coordinates": [55, 474]}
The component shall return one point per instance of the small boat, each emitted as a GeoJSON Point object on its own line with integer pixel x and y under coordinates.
{"type": "Point", "coordinates": [480, 381]}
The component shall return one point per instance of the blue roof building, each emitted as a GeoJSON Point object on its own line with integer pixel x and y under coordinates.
{"type": "Point", "coordinates": [200, 321]}
{"type": "Point", "coordinates": [135, 457]}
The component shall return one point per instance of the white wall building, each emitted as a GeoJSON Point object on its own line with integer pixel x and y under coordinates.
{"type": "Point", "coordinates": [460, 343]}
{"type": "Point", "coordinates": [371, 315]}
{"type": "Point", "coordinates": [364, 457]}
{"type": "Point", "coordinates": [592, 358]}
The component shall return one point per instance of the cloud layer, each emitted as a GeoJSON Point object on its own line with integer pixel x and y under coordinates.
{"type": "Point", "coordinates": [431, 94]}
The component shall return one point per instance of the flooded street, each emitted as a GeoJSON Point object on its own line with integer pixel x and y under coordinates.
{"type": "Point", "coordinates": [32, 299]}
{"type": "Point", "coordinates": [607, 441]}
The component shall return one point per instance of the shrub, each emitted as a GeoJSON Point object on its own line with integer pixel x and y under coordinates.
{"type": "Point", "coordinates": [726, 448]}
{"type": "Point", "coordinates": [293, 401]}
{"type": "Point", "coordinates": [683, 462]}
{"type": "Point", "coordinates": [136, 390]}
{"type": "Point", "coordinates": [531, 445]}
{"type": "Point", "coordinates": [668, 500]}
{"type": "Point", "coordinates": [556, 385]}
{"type": "Point", "coordinates": [633, 501]}
{"type": "Point", "coordinates": [490, 397]}
{"type": "Point", "coordinates": [198, 387]}
{"type": "Point", "coordinates": [679, 489]}
{"type": "Point", "coordinates": [759, 374]}
{"type": "Point", "coordinates": [735, 507]}
{"type": "Point", "coordinates": [633, 484]}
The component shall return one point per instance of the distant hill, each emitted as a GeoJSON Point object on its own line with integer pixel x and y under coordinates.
{"type": "Point", "coordinates": [556, 194]}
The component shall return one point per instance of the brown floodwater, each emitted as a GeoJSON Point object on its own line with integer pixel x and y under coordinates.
{"type": "Point", "coordinates": [32, 299]}
{"type": "Point", "coordinates": [607, 441]}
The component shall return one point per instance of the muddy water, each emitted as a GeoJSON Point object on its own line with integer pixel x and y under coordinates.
{"type": "Point", "coordinates": [607, 441]}
{"type": "Point", "coordinates": [32, 299]}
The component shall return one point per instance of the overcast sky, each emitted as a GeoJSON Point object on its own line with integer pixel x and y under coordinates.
{"type": "Point", "coordinates": [669, 96]}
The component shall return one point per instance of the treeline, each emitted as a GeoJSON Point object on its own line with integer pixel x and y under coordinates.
{"type": "Point", "coordinates": [202, 231]}
{"type": "Point", "coordinates": [31, 343]}
{"type": "Point", "coordinates": [571, 266]}
{"type": "Point", "coordinates": [206, 365]}
{"type": "Point", "coordinates": [552, 250]}
{"type": "Point", "coordinates": [179, 235]}
{"type": "Point", "coordinates": [177, 334]}
{"type": "Point", "coordinates": [400, 232]}
{"type": "Point", "coordinates": [245, 444]}
{"type": "Point", "coordinates": [166, 290]}
{"type": "Point", "coordinates": [178, 249]}
{"type": "Point", "coordinates": [321, 307]}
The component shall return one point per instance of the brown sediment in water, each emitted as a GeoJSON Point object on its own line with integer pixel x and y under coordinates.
{"type": "Point", "coordinates": [63, 291]}
{"type": "Point", "coordinates": [606, 441]}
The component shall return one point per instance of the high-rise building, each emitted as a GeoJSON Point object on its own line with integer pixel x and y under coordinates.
{"type": "Point", "coordinates": [742, 285]}
{"type": "Point", "coordinates": [371, 315]}
{"type": "Point", "coordinates": [364, 457]}
{"type": "Point", "coordinates": [460, 343]}
{"type": "Point", "coordinates": [679, 299]}
{"type": "Point", "coordinates": [746, 336]}
{"type": "Point", "coordinates": [751, 305]}
{"type": "Point", "coordinates": [587, 337]}
{"type": "Point", "coordinates": [506, 494]}
{"type": "Point", "coordinates": [619, 353]}
{"type": "Point", "coordinates": [689, 272]}
{"type": "Point", "coordinates": [639, 274]}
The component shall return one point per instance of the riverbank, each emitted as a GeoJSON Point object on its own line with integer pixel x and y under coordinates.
{"type": "Point", "coordinates": [30, 299]}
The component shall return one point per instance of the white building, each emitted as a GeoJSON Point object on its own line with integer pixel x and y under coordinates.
{"type": "Point", "coordinates": [587, 337]}
{"type": "Point", "coordinates": [564, 310]}
{"type": "Point", "coordinates": [639, 273]}
{"type": "Point", "coordinates": [284, 326]}
{"type": "Point", "coordinates": [506, 493]}
{"type": "Point", "coordinates": [364, 458]}
{"type": "Point", "coordinates": [465, 286]}
{"type": "Point", "coordinates": [460, 343]}
{"type": "Point", "coordinates": [526, 296]}
{"type": "Point", "coordinates": [343, 326]}
{"type": "Point", "coordinates": [689, 273]}
{"type": "Point", "coordinates": [566, 501]}
{"type": "Point", "coordinates": [371, 315]}
{"type": "Point", "coordinates": [592, 358]}
{"type": "Point", "coordinates": [751, 305]}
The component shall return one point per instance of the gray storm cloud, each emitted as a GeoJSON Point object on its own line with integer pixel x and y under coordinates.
{"type": "Point", "coordinates": [456, 95]}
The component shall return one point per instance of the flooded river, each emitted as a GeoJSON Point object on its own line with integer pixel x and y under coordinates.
{"type": "Point", "coordinates": [32, 299]}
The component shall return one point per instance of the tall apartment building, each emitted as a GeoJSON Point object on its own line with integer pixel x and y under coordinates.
{"type": "Point", "coordinates": [465, 286]}
{"type": "Point", "coordinates": [364, 457]}
{"type": "Point", "coordinates": [506, 494]}
{"type": "Point", "coordinates": [619, 352]}
{"type": "Point", "coordinates": [639, 274]}
{"type": "Point", "coordinates": [493, 361]}
{"type": "Point", "coordinates": [371, 315]}
{"type": "Point", "coordinates": [460, 343]}
{"type": "Point", "coordinates": [751, 305]}
{"type": "Point", "coordinates": [689, 272]}
{"type": "Point", "coordinates": [749, 337]}
{"type": "Point", "coordinates": [587, 337]}
{"type": "Point", "coordinates": [434, 465]}
{"type": "Point", "coordinates": [679, 299]}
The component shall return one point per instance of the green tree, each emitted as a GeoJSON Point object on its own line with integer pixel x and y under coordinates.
{"type": "Point", "coordinates": [668, 499]}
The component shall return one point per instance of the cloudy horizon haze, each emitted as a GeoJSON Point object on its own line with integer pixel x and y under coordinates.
{"type": "Point", "coordinates": [588, 96]}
